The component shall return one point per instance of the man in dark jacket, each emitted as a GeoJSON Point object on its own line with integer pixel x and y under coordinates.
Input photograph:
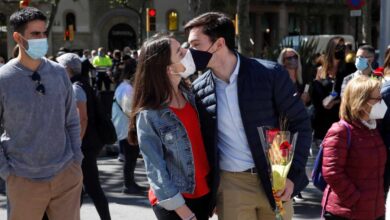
{"type": "Point", "coordinates": [235, 97]}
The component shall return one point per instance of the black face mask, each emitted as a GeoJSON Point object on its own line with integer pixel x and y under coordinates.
{"type": "Point", "coordinates": [201, 58]}
{"type": "Point", "coordinates": [339, 54]}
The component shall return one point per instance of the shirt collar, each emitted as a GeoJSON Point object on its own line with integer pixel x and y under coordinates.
{"type": "Point", "coordinates": [233, 77]}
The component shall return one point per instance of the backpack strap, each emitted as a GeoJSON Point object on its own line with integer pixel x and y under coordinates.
{"type": "Point", "coordinates": [117, 103]}
{"type": "Point", "coordinates": [346, 125]}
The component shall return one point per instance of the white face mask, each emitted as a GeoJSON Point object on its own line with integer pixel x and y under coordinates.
{"type": "Point", "coordinates": [189, 64]}
{"type": "Point", "coordinates": [378, 110]}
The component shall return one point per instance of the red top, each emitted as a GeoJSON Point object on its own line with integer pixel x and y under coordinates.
{"type": "Point", "coordinates": [189, 118]}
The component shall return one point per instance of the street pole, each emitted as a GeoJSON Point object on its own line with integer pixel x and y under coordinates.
{"type": "Point", "coordinates": [384, 29]}
{"type": "Point", "coordinates": [356, 32]}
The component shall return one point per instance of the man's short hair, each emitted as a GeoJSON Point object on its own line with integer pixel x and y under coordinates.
{"type": "Point", "coordinates": [215, 25]}
{"type": "Point", "coordinates": [370, 49]}
{"type": "Point", "coordinates": [19, 19]}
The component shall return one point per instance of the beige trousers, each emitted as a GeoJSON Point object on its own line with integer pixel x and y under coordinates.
{"type": "Point", "coordinates": [59, 197]}
{"type": "Point", "coordinates": [242, 197]}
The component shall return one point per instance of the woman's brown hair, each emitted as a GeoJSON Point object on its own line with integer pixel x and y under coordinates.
{"type": "Point", "coordinates": [356, 95]}
{"type": "Point", "coordinates": [329, 56]}
{"type": "Point", "coordinates": [152, 87]}
{"type": "Point", "coordinates": [386, 65]}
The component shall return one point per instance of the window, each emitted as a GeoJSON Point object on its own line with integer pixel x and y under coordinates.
{"type": "Point", "coordinates": [70, 19]}
{"type": "Point", "coordinates": [172, 20]}
{"type": "Point", "coordinates": [3, 23]}
{"type": "Point", "coordinates": [70, 26]}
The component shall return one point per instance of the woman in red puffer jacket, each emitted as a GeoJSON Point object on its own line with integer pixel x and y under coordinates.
{"type": "Point", "coordinates": [355, 173]}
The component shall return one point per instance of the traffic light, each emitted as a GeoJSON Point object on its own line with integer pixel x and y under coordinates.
{"type": "Point", "coordinates": [69, 33]}
{"type": "Point", "coordinates": [150, 19]}
{"type": "Point", "coordinates": [235, 22]}
{"type": "Point", "coordinates": [24, 3]}
{"type": "Point", "coordinates": [66, 35]}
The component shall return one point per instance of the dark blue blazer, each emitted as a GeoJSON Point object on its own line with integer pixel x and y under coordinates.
{"type": "Point", "coordinates": [265, 92]}
{"type": "Point", "coordinates": [385, 130]}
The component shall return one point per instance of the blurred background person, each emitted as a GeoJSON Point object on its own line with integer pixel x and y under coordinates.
{"type": "Point", "coordinates": [134, 55]}
{"type": "Point", "coordinates": [326, 87]}
{"type": "Point", "coordinates": [103, 64]}
{"type": "Point", "coordinates": [365, 56]}
{"type": "Point", "coordinates": [126, 50]}
{"type": "Point", "coordinates": [121, 109]}
{"type": "Point", "coordinates": [93, 73]}
{"type": "Point", "coordinates": [86, 66]}
{"type": "Point", "coordinates": [291, 60]}
{"type": "Point", "coordinates": [91, 143]}
{"type": "Point", "coordinates": [117, 67]}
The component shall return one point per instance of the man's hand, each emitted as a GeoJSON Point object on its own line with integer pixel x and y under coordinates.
{"type": "Point", "coordinates": [286, 194]}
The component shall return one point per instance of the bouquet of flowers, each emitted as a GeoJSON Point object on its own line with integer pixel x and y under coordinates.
{"type": "Point", "coordinates": [278, 145]}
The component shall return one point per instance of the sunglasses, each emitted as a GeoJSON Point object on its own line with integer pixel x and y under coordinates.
{"type": "Point", "coordinates": [37, 79]}
{"type": "Point", "coordinates": [291, 57]}
{"type": "Point", "coordinates": [379, 99]}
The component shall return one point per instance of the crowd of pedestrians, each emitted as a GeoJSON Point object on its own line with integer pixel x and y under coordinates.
{"type": "Point", "coordinates": [199, 139]}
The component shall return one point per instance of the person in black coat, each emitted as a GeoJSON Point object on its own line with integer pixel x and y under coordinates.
{"type": "Point", "coordinates": [235, 97]}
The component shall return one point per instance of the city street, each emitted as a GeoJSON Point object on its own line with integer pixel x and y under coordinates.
{"type": "Point", "coordinates": [262, 73]}
{"type": "Point", "coordinates": [137, 207]}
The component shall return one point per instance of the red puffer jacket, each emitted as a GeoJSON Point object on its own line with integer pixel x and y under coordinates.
{"type": "Point", "coordinates": [355, 176]}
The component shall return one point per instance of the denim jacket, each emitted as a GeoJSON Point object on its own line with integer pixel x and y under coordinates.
{"type": "Point", "coordinates": [167, 152]}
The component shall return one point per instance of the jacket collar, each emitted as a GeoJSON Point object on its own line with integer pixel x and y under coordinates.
{"type": "Point", "coordinates": [187, 95]}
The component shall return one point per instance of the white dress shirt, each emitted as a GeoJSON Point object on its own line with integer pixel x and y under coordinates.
{"type": "Point", "coordinates": [235, 155]}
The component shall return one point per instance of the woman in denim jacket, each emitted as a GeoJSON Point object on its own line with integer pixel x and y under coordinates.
{"type": "Point", "coordinates": [164, 122]}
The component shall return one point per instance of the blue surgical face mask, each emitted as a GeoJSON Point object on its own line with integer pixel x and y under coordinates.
{"type": "Point", "coordinates": [361, 63]}
{"type": "Point", "coordinates": [37, 48]}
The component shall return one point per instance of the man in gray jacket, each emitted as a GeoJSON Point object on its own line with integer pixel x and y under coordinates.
{"type": "Point", "coordinates": [40, 153]}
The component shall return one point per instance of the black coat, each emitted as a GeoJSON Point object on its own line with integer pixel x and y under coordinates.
{"type": "Point", "coordinates": [91, 140]}
{"type": "Point", "coordinates": [265, 91]}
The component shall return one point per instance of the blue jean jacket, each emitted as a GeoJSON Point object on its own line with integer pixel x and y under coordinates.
{"type": "Point", "coordinates": [167, 153]}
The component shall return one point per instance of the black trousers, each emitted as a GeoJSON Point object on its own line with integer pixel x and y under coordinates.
{"type": "Point", "coordinates": [199, 206]}
{"type": "Point", "coordinates": [131, 154]}
{"type": "Point", "coordinates": [101, 78]}
{"type": "Point", "coordinates": [92, 184]}
{"type": "Point", "coordinates": [330, 216]}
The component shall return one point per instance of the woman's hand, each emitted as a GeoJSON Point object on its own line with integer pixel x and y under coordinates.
{"type": "Point", "coordinates": [185, 213]}
{"type": "Point", "coordinates": [331, 104]}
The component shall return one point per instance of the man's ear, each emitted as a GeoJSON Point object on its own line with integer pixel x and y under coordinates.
{"type": "Point", "coordinates": [221, 42]}
{"type": "Point", "coordinates": [17, 37]}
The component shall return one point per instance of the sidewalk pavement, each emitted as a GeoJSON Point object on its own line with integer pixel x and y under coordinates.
{"type": "Point", "coordinates": [137, 207]}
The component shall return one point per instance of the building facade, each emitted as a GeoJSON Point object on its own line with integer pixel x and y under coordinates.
{"type": "Point", "coordinates": [81, 24]}
{"type": "Point", "coordinates": [89, 24]}
{"type": "Point", "coordinates": [271, 20]}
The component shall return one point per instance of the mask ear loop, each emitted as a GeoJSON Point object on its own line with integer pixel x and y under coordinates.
{"type": "Point", "coordinates": [20, 45]}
